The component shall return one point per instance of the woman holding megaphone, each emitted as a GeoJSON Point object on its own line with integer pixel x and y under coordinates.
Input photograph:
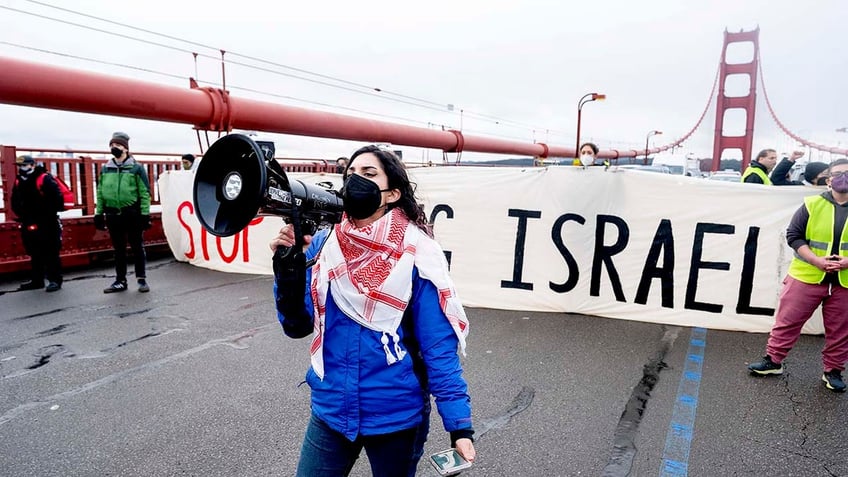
{"type": "Point", "coordinates": [385, 323]}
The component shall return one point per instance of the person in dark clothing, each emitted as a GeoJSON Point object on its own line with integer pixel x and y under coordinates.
{"type": "Point", "coordinates": [758, 171]}
{"type": "Point", "coordinates": [123, 207]}
{"type": "Point", "coordinates": [815, 174]}
{"type": "Point", "coordinates": [780, 173]}
{"type": "Point", "coordinates": [341, 165]}
{"type": "Point", "coordinates": [36, 201]}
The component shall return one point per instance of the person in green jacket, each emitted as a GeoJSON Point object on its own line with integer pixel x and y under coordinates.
{"type": "Point", "coordinates": [123, 208]}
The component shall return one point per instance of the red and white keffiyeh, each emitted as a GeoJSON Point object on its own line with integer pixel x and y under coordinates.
{"type": "Point", "coordinates": [370, 272]}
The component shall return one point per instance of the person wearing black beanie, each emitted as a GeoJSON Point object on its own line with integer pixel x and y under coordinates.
{"type": "Point", "coordinates": [123, 208]}
{"type": "Point", "coordinates": [815, 174]}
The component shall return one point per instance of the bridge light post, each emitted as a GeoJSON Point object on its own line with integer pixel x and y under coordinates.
{"type": "Point", "coordinates": [647, 139]}
{"type": "Point", "coordinates": [587, 98]}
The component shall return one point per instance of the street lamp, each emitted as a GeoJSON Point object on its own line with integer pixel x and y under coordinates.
{"type": "Point", "coordinates": [647, 139]}
{"type": "Point", "coordinates": [587, 98]}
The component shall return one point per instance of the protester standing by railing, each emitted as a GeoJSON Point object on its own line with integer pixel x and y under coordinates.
{"type": "Point", "coordinates": [36, 201]}
{"type": "Point", "coordinates": [123, 207]}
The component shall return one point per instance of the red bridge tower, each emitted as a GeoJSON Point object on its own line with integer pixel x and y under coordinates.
{"type": "Point", "coordinates": [725, 103]}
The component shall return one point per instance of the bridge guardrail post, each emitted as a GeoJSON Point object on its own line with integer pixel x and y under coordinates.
{"type": "Point", "coordinates": [88, 182]}
{"type": "Point", "coordinates": [7, 165]}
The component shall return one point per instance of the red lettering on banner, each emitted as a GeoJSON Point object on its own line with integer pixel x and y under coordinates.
{"type": "Point", "coordinates": [241, 236]}
{"type": "Point", "coordinates": [203, 246]}
{"type": "Point", "coordinates": [186, 204]}
{"type": "Point", "coordinates": [255, 221]}
{"type": "Point", "coordinates": [228, 258]}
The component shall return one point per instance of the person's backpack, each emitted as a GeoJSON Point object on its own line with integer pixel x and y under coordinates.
{"type": "Point", "coordinates": [69, 200]}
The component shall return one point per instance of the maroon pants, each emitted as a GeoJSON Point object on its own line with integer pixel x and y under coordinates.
{"type": "Point", "coordinates": [798, 301]}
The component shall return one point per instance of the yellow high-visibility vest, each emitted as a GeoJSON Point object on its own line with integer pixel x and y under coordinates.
{"type": "Point", "coordinates": [819, 235]}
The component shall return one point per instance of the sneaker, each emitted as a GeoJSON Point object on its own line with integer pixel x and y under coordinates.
{"type": "Point", "coordinates": [118, 286]}
{"type": "Point", "coordinates": [53, 286]}
{"type": "Point", "coordinates": [833, 381]}
{"type": "Point", "coordinates": [143, 287]}
{"type": "Point", "coordinates": [31, 285]}
{"type": "Point", "coordinates": [766, 367]}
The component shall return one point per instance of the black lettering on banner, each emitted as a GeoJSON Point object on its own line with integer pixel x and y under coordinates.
{"type": "Point", "coordinates": [520, 238]}
{"type": "Point", "coordinates": [449, 213]}
{"type": "Point", "coordinates": [663, 242]}
{"type": "Point", "coordinates": [603, 254]}
{"type": "Point", "coordinates": [556, 236]}
{"type": "Point", "coordinates": [746, 282]}
{"type": "Point", "coordinates": [702, 229]}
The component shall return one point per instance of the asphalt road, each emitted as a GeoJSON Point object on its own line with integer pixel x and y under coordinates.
{"type": "Point", "coordinates": [196, 378]}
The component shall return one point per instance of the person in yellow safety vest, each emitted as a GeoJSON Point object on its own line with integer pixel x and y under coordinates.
{"type": "Point", "coordinates": [818, 275]}
{"type": "Point", "coordinates": [758, 171]}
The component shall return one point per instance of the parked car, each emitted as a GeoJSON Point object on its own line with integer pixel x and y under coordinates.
{"type": "Point", "coordinates": [726, 176]}
{"type": "Point", "coordinates": [639, 167]}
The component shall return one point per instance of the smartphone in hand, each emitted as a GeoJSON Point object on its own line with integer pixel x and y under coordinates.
{"type": "Point", "coordinates": [449, 462]}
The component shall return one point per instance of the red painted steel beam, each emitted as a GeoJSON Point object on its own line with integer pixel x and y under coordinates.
{"type": "Point", "coordinates": [45, 86]}
{"type": "Point", "coordinates": [38, 85]}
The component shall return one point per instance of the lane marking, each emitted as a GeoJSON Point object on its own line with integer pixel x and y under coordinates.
{"type": "Point", "coordinates": [675, 459]}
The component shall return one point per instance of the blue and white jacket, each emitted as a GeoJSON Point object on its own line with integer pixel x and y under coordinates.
{"type": "Point", "coordinates": [360, 393]}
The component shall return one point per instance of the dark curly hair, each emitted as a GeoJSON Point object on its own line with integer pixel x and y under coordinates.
{"type": "Point", "coordinates": [591, 145]}
{"type": "Point", "coordinates": [398, 179]}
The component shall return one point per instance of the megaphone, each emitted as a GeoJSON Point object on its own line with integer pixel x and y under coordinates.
{"type": "Point", "coordinates": [238, 179]}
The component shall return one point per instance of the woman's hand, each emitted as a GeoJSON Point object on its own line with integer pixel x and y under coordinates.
{"type": "Point", "coordinates": [285, 239]}
{"type": "Point", "coordinates": [466, 449]}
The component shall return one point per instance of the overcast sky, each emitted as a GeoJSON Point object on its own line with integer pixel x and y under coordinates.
{"type": "Point", "coordinates": [524, 62]}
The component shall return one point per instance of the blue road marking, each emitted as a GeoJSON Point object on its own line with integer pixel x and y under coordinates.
{"type": "Point", "coordinates": [675, 459]}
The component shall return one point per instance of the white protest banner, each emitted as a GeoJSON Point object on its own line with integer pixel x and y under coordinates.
{"type": "Point", "coordinates": [622, 244]}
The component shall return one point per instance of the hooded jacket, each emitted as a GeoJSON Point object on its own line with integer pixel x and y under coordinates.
{"type": "Point", "coordinates": [33, 206]}
{"type": "Point", "coordinates": [122, 186]}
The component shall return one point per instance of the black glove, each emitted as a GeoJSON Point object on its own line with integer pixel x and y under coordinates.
{"type": "Point", "coordinates": [100, 222]}
{"type": "Point", "coordinates": [146, 222]}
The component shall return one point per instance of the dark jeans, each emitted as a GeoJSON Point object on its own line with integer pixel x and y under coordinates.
{"type": "Point", "coordinates": [42, 242]}
{"type": "Point", "coordinates": [327, 453]}
{"type": "Point", "coordinates": [127, 227]}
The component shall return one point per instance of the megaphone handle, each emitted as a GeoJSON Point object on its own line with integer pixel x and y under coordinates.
{"type": "Point", "coordinates": [282, 252]}
{"type": "Point", "coordinates": [290, 274]}
{"type": "Point", "coordinates": [298, 229]}
{"type": "Point", "coordinates": [285, 252]}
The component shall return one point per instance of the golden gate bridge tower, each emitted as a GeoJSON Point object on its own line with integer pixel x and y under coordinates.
{"type": "Point", "coordinates": [747, 103]}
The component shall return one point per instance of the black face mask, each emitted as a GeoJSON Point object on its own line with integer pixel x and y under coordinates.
{"type": "Point", "coordinates": [117, 151]}
{"type": "Point", "coordinates": [821, 181]}
{"type": "Point", "coordinates": [25, 171]}
{"type": "Point", "coordinates": [361, 197]}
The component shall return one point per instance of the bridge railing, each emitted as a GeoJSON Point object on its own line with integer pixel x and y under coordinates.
{"type": "Point", "coordinates": [82, 243]}
{"type": "Point", "coordinates": [79, 170]}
